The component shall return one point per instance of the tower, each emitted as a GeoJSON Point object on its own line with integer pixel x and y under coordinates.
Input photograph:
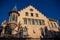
{"type": "Point", "coordinates": [13, 17]}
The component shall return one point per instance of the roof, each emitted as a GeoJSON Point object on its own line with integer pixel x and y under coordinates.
{"type": "Point", "coordinates": [14, 10]}
{"type": "Point", "coordinates": [50, 19]}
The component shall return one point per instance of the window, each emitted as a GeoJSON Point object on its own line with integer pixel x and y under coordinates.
{"type": "Point", "coordinates": [31, 9]}
{"type": "Point", "coordinates": [29, 21]}
{"type": "Point", "coordinates": [36, 22]}
{"type": "Point", "coordinates": [26, 14]}
{"type": "Point", "coordinates": [51, 24]}
{"type": "Point", "coordinates": [42, 31]}
{"type": "Point", "coordinates": [33, 21]}
{"type": "Point", "coordinates": [16, 18]}
{"type": "Point", "coordinates": [13, 18]}
{"type": "Point", "coordinates": [31, 14]}
{"type": "Point", "coordinates": [46, 31]}
{"type": "Point", "coordinates": [8, 30]}
{"type": "Point", "coordinates": [21, 31]}
{"type": "Point", "coordinates": [55, 25]}
{"type": "Point", "coordinates": [10, 18]}
{"type": "Point", "coordinates": [36, 15]}
{"type": "Point", "coordinates": [25, 32]}
{"type": "Point", "coordinates": [25, 21]}
{"type": "Point", "coordinates": [42, 22]}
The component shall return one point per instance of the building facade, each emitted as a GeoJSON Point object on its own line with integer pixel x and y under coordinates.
{"type": "Point", "coordinates": [29, 22]}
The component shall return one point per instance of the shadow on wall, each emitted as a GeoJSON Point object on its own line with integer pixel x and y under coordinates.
{"type": "Point", "coordinates": [51, 35]}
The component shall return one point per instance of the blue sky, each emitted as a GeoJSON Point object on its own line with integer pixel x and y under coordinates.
{"type": "Point", "coordinates": [50, 8]}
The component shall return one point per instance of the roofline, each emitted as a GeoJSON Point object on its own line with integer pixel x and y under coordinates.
{"type": "Point", "coordinates": [51, 19]}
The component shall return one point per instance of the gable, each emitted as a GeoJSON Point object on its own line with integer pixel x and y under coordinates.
{"type": "Point", "coordinates": [31, 9]}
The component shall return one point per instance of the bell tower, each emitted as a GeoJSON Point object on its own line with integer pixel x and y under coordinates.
{"type": "Point", "coordinates": [13, 18]}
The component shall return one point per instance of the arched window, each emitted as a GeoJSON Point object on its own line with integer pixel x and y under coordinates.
{"type": "Point", "coordinates": [21, 31]}
{"type": "Point", "coordinates": [42, 31]}
{"type": "Point", "coordinates": [51, 24]}
{"type": "Point", "coordinates": [55, 25]}
{"type": "Point", "coordinates": [46, 30]}
{"type": "Point", "coordinates": [25, 31]}
{"type": "Point", "coordinates": [8, 30]}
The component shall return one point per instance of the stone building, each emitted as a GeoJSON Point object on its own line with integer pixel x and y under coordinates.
{"type": "Point", "coordinates": [28, 22]}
